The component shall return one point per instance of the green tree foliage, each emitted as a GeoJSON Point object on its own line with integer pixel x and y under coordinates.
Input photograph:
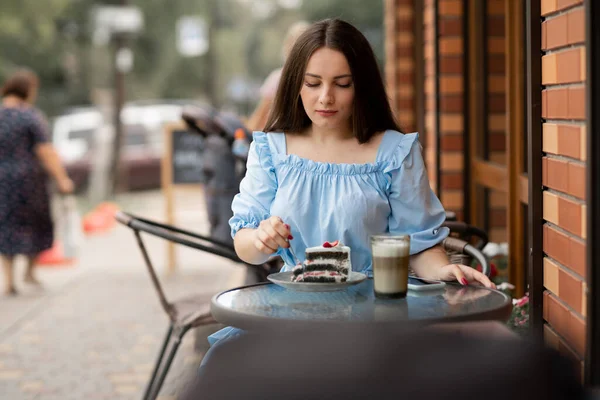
{"type": "Point", "coordinates": [365, 15]}
{"type": "Point", "coordinates": [55, 39]}
{"type": "Point", "coordinates": [28, 37]}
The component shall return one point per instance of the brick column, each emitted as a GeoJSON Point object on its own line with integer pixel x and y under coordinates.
{"type": "Point", "coordinates": [564, 165]}
{"type": "Point", "coordinates": [400, 61]}
{"type": "Point", "coordinates": [497, 116]}
{"type": "Point", "coordinates": [430, 98]}
{"type": "Point", "coordinates": [451, 107]}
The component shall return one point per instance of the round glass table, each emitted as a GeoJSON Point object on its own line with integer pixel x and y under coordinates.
{"type": "Point", "coordinates": [267, 306]}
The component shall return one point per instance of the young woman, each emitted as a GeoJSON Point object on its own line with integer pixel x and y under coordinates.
{"type": "Point", "coordinates": [338, 167]}
{"type": "Point", "coordinates": [334, 166]}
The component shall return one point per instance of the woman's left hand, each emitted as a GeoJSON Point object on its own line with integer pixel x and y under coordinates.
{"type": "Point", "coordinates": [464, 275]}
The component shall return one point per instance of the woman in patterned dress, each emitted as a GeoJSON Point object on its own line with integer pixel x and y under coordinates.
{"type": "Point", "coordinates": [27, 159]}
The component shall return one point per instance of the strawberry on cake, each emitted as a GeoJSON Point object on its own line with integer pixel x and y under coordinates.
{"type": "Point", "coordinates": [327, 263]}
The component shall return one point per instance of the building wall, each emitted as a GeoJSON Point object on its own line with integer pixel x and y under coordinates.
{"type": "Point", "coordinates": [400, 65]}
{"type": "Point", "coordinates": [443, 98]}
{"type": "Point", "coordinates": [564, 165]}
{"type": "Point", "coordinates": [430, 89]}
{"type": "Point", "coordinates": [564, 135]}
{"type": "Point", "coordinates": [451, 107]}
{"type": "Point", "coordinates": [497, 117]}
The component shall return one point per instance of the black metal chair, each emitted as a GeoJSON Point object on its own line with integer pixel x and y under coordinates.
{"type": "Point", "coordinates": [460, 247]}
{"type": "Point", "coordinates": [185, 313]}
{"type": "Point", "coordinates": [461, 252]}
{"type": "Point", "coordinates": [451, 216]}
{"type": "Point", "coordinates": [468, 233]}
{"type": "Point", "coordinates": [194, 311]}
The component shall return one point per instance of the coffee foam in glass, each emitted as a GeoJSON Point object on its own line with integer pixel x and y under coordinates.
{"type": "Point", "coordinates": [390, 248]}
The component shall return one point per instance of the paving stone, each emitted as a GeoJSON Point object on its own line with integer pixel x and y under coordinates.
{"type": "Point", "coordinates": [127, 389]}
{"type": "Point", "coordinates": [101, 318]}
{"type": "Point", "coordinates": [32, 386]}
{"type": "Point", "coordinates": [11, 374]}
{"type": "Point", "coordinates": [5, 349]}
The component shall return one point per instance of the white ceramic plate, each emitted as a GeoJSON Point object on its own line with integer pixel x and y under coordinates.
{"type": "Point", "coordinates": [284, 279]}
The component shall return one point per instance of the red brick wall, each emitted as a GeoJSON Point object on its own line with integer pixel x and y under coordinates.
{"type": "Point", "coordinates": [430, 100]}
{"type": "Point", "coordinates": [497, 118]}
{"type": "Point", "coordinates": [563, 111]}
{"type": "Point", "coordinates": [443, 64]}
{"type": "Point", "coordinates": [564, 146]}
{"type": "Point", "coordinates": [451, 46]}
{"type": "Point", "coordinates": [400, 61]}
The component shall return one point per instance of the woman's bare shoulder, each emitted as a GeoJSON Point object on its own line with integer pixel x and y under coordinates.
{"type": "Point", "coordinates": [376, 139]}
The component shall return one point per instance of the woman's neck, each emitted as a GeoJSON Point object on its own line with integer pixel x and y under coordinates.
{"type": "Point", "coordinates": [12, 101]}
{"type": "Point", "coordinates": [324, 135]}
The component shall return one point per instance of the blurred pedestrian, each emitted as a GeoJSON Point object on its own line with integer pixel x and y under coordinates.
{"type": "Point", "coordinates": [258, 119]}
{"type": "Point", "coordinates": [27, 159]}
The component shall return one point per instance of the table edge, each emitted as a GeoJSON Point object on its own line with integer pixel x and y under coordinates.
{"type": "Point", "coordinates": [225, 316]}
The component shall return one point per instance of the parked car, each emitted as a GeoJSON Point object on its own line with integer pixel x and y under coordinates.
{"type": "Point", "coordinates": [74, 135]}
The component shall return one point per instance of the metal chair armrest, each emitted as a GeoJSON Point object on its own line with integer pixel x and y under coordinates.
{"type": "Point", "coordinates": [123, 218]}
{"type": "Point", "coordinates": [131, 221]}
{"type": "Point", "coordinates": [462, 247]}
{"type": "Point", "coordinates": [178, 236]}
{"type": "Point", "coordinates": [466, 230]}
{"type": "Point", "coordinates": [454, 244]}
{"type": "Point", "coordinates": [481, 259]}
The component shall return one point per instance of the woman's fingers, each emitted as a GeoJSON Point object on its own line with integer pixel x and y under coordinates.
{"type": "Point", "coordinates": [281, 228]}
{"type": "Point", "coordinates": [458, 274]}
{"type": "Point", "coordinates": [475, 276]}
{"type": "Point", "coordinates": [273, 232]}
{"type": "Point", "coordinates": [465, 275]}
{"type": "Point", "coordinates": [264, 243]}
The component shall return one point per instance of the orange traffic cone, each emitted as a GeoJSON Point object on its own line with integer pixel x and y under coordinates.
{"type": "Point", "coordinates": [54, 256]}
{"type": "Point", "coordinates": [100, 219]}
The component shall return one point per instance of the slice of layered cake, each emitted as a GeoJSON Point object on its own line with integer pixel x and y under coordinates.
{"type": "Point", "coordinates": [327, 263]}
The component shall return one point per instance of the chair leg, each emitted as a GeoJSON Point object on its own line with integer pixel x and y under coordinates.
{"type": "Point", "coordinates": [157, 366]}
{"type": "Point", "coordinates": [163, 373]}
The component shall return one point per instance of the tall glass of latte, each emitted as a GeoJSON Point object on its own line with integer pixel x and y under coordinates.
{"type": "Point", "coordinates": [390, 265]}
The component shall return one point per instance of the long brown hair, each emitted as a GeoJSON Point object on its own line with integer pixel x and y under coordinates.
{"type": "Point", "coordinates": [371, 109]}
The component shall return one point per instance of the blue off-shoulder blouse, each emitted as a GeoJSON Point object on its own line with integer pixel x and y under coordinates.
{"type": "Point", "coordinates": [347, 202]}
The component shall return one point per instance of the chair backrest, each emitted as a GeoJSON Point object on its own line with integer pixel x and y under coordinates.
{"type": "Point", "coordinates": [467, 233]}
{"type": "Point", "coordinates": [175, 235]}
{"type": "Point", "coordinates": [461, 252]}
{"type": "Point", "coordinates": [167, 306]}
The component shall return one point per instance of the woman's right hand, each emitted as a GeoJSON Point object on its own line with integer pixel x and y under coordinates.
{"type": "Point", "coordinates": [65, 185]}
{"type": "Point", "coordinates": [271, 234]}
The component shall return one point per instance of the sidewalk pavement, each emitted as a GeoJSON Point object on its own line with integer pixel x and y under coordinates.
{"type": "Point", "coordinates": [94, 330]}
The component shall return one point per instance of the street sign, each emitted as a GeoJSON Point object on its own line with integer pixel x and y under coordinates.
{"type": "Point", "coordinates": [124, 60]}
{"type": "Point", "coordinates": [192, 36]}
{"type": "Point", "coordinates": [118, 19]}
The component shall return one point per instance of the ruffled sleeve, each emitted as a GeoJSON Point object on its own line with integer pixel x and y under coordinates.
{"type": "Point", "coordinates": [415, 209]}
{"type": "Point", "coordinates": [257, 190]}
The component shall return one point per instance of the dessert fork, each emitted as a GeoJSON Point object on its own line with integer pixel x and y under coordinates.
{"type": "Point", "coordinates": [296, 260]}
